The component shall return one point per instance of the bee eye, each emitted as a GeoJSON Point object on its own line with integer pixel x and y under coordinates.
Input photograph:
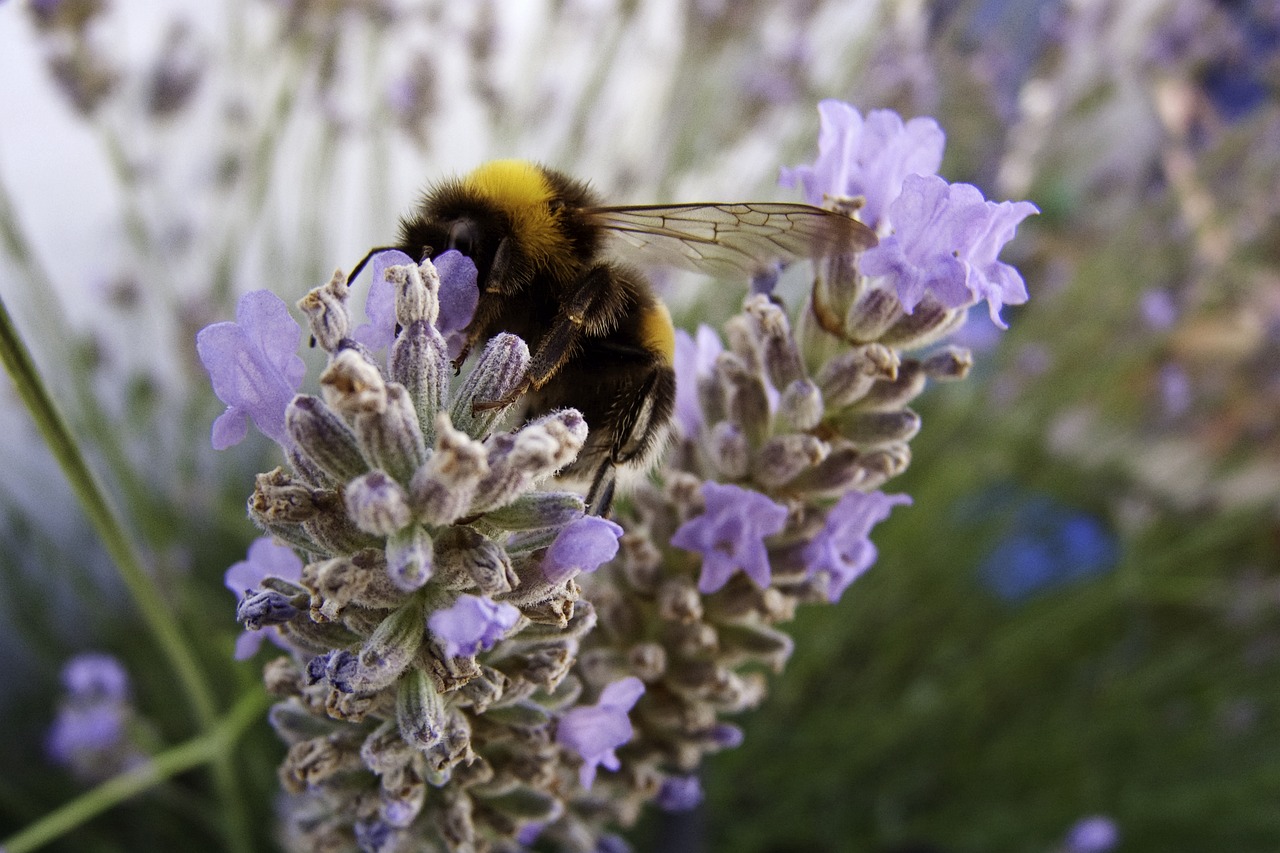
{"type": "Point", "coordinates": [462, 236]}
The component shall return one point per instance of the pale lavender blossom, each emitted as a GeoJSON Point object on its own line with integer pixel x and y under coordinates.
{"type": "Point", "coordinates": [473, 623]}
{"type": "Point", "coordinates": [254, 367]}
{"type": "Point", "coordinates": [867, 157]}
{"type": "Point", "coordinates": [679, 793]}
{"type": "Point", "coordinates": [730, 534]}
{"type": "Point", "coordinates": [595, 731]}
{"type": "Point", "coordinates": [458, 296]}
{"type": "Point", "coordinates": [583, 545]}
{"type": "Point", "coordinates": [944, 242]}
{"type": "Point", "coordinates": [94, 675]}
{"type": "Point", "coordinates": [843, 550]}
{"type": "Point", "coordinates": [1096, 834]}
{"type": "Point", "coordinates": [265, 558]}
{"type": "Point", "coordinates": [695, 358]}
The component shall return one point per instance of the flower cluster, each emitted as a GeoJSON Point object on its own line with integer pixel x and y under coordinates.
{"type": "Point", "coordinates": [93, 734]}
{"type": "Point", "coordinates": [451, 685]}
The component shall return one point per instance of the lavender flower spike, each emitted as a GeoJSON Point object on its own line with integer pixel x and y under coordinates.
{"type": "Point", "coordinates": [730, 534]}
{"type": "Point", "coordinates": [945, 241]}
{"type": "Point", "coordinates": [583, 546]}
{"type": "Point", "coordinates": [867, 158]}
{"type": "Point", "coordinates": [842, 550]}
{"type": "Point", "coordinates": [254, 367]}
{"type": "Point", "coordinates": [595, 731]}
{"type": "Point", "coordinates": [474, 623]}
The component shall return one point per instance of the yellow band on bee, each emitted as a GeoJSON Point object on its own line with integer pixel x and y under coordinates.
{"type": "Point", "coordinates": [520, 189]}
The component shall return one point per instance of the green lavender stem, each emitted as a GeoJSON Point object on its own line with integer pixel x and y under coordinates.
{"type": "Point", "coordinates": [207, 748]}
{"type": "Point", "coordinates": [107, 522]}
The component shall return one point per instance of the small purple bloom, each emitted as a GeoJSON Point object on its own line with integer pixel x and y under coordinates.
{"type": "Point", "coordinates": [82, 731]}
{"type": "Point", "coordinates": [1159, 310]}
{"type": "Point", "coordinates": [695, 359]}
{"type": "Point", "coordinates": [1096, 834]}
{"type": "Point", "coordinates": [679, 793]}
{"type": "Point", "coordinates": [842, 550]}
{"type": "Point", "coordinates": [868, 158]}
{"type": "Point", "coordinates": [595, 731]}
{"type": "Point", "coordinates": [474, 623]}
{"type": "Point", "coordinates": [583, 545]}
{"type": "Point", "coordinates": [265, 559]}
{"type": "Point", "coordinates": [253, 366]}
{"type": "Point", "coordinates": [95, 676]}
{"type": "Point", "coordinates": [945, 241]}
{"type": "Point", "coordinates": [730, 534]}
{"type": "Point", "coordinates": [458, 297]}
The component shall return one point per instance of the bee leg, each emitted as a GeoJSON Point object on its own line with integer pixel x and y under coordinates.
{"type": "Point", "coordinates": [600, 496]}
{"type": "Point", "coordinates": [559, 341]}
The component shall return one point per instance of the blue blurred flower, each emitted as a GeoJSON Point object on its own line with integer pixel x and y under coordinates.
{"type": "Point", "coordinates": [1048, 546]}
{"type": "Point", "coordinates": [1096, 834]}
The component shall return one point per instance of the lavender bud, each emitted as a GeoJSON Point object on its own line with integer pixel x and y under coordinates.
{"type": "Point", "coordinates": [377, 504]}
{"type": "Point", "coordinates": [949, 363]}
{"type": "Point", "coordinates": [466, 559]}
{"type": "Point", "coordinates": [293, 723]}
{"type": "Point", "coordinates": [403, 793]}
{"type": "Point", "coordinates": [518, 462]}
{"type": "Point", "coordinates": [485, 689]}
{"type": "Point", "coordinates": [420, 711]}
{"type": "Point", "coordinates": [361, 580]}
{"type": "Point", "coordinates": [748, 404]}
{"type": "Point", "coordinates": [834, 289]}
{"type": "Point", "coordinates": [727, 447]}
{"type": "Point", "coordinates": [679, 601]}
{"type": "Point", "coordinates": [648, 661]}
{"type": "Point", "coordinates": [314, 761]}
{"type": "Point", "coordinates": [871, 429]}
{"type": "Point", "coordinates": [391, 438]}
{"type": "Point", "coordinates": [801, 405]}
{"type": "Point", "coordinates": [772, 330]}
{"type": "Point", "coordinates": [784, 456]}
{"type": "Point", "coordinates": [278, 498]}
{"type": "Point", "coordinates": [525, 804]}
{"type": "Point", "coordinates": [833, 476]}
{"type": "Point", "coordinates": [691, 640]}
{"type": "Point", "coordinates": [417, 292]}
{"type": "Point", "coordinates": [333, 530]}
{"type": "Point", "coordinates": [442, 490]}
{"type": "Point", "coordinates": [641, 561]}
{"type": "Point", "coordinates": [409, 558]}
{"type": "Point", "coordinates": [929, 321]}
{"type": "Point", "coordinates": [264, 608]}
{"type": "Point", "coordinates": [420, 362]}
{"type": "Point", "coordinates": [390, 649]}
{"type": "Point", "coordinates": [538, 511]}
{"type": "Point", "coordinates": [499, 373]}
{"type": "Point", "coordinates": [326, 309]}
{"type": "Point", "coordinates": [896, 393]}
{"type": "Point", "coordinates": [883, 464]}
{"type": "Point", "coordinates": [849, 375]}
{"type": "Point", "coordinates": [871, 316]}
{"type": "Point", "coordinates": [747, 643]}
{"type": "Point", "coordinates": [324, 439]}
{"type": "Point", "coordinates": [352, 384]}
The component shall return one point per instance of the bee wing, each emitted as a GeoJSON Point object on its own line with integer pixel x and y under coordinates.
{"type": "Point", "coordinates": [729, 239]}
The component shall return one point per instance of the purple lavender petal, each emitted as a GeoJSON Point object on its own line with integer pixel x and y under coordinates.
{"type": "Point", "coordinates": [584, 545]}
{"type": "Point", "coordinates": [249, 642]}
{"type": "Point", "coordinates": [868, 158]}
{"type": "Point", "coordinates": [380, 304]}
{"type": "Point", "coordinates": [266, 558]}
{"type": "Point", "coordinates": [842, 550]}
{"type": "Point", "coordinates": [688, 410]}
{"type": "Point", "coordinates": [253, 367]}
{"type": "Point", "coordinates": [595, 731]}
{"type": "Point", "coordinates": [679, 793]}
{"type": "Point", "coordinates": [472, 624]}
{"type": "Point", "coordinates": [459, 293]}
{"type": "Point", "coordinates": [97, 676]}
{"type": "Point", "coordinates": [730, 534]}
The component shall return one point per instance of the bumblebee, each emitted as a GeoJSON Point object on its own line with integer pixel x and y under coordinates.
{"type": "Point", "coordinates": [550, 263]}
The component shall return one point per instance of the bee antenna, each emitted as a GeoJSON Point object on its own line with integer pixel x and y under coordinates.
{"type": "Point", "coordinates": [359, 268]}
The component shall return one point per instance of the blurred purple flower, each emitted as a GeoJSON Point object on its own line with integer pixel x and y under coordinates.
{"type": "Point", "coordinates": [1049, 545]}
{"type": "Point", "coordinates": [472, 624]}
{"type": "Point", "coordinates": [679, 793]}
{"type": "Point", "coordinates": [730, 534]}
{"type": "Point", "coordinates": [944, 242]}
{"type": "Point", "coordinates": [1096, 834]}
{"type": "Point", "coordinates": [95, 676]}
{"type": "Point", "coordinates": [595, 731]}
{"type": "Point", "coordinates": [695, 359]}
{"type": "Point", "coordinates": [842, 550]}
{"type": "Point", "coordinates": [868, 158]}
{"type": "Point", "coordinates": [583, 545]}
{"type": "Point", "coordinates": [266, 558]}
{"type": "Point", "coordinates": [253, 366]}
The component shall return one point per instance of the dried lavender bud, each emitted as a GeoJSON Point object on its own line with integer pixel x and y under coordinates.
{"type": "Point", "coordinates": [324, 438]}
{"type": "Point", "coordinates": [390, 437]}
{"type": "Point", "coordinates": [783, 457]}
{"type": "Point", "coordinates": [778, 350]}
{"type": "Point", "coordinates": [929, 321]}
{"type": "Point", "coordinates": [443, 489]}
{"type": "Point", "coordinates": [326, 309]}
{"type": "Point", "coordinates": [801, 405]}
{"type": "Point", "coordinates": [949, 363]}
{"type": "Point", "coordinates": [848, 376]}
{"type": "Point", "coordinates": [871, 316]}
{"type": "Point", "coordinates": [377, 504]}
{"type": "Point", "coordinates": [896, 393]}
{"type": "Point", "coordinates": [417, 289]}
{"type": "Point", "coordinates": [874, 429]}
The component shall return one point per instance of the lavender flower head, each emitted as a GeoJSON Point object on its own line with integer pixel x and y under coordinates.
{"type": "Point", "coordinates": [730, 534]}
{"type": "Point", "coordinates": [474, 623]}
{"type": "Point", "coordinates": [91, 733]}
{"type": "Point", "coordinates": [595, 731]}
{"type": "Point", "coordinates": [254, 367]}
